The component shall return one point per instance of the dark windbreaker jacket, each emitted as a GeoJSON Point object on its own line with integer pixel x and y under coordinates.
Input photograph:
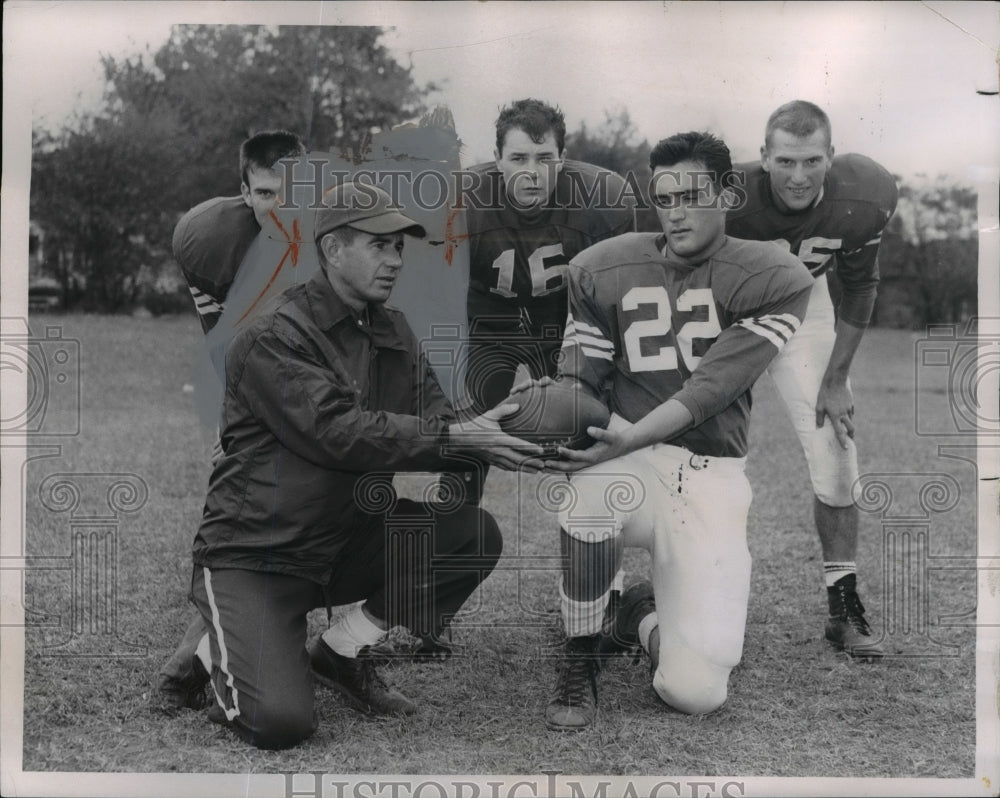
{"type": "Point", "coordinates": [317, 398]}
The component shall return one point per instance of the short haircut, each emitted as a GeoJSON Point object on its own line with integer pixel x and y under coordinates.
{"type": "Point", "coordinates": [801, 119]}
{"type": "Point", "coordinates": [703, 148]}
{"type": "Point", "coordinates": [263, 150]}
{"type": "Point", "coordinates": [345, 234]}
{"type": "Point", "coordinates": [535, 118]}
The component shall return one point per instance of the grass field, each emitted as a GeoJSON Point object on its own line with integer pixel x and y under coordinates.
{"type": "Point", "coordinates": [796, 707]}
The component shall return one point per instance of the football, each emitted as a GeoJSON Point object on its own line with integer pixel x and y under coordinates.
{"type": "Point", "coordinates": [556, 414]}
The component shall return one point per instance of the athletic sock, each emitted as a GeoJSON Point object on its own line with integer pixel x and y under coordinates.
{"type": "Point", "coordinates": [203, 653]}
{"type": "Point", "coordinates": [582, 618]}
{"type": "Point", "coordinates": [646, 627]}
{"type": "Point", "coordinates": [833, 571]}
{"type": "Point", "coordinates": [352, 632]}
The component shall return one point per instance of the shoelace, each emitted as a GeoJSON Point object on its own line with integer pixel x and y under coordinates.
{"type": "Point", "coordinates": [854, 613]}
{"type": "Point", "coordinates": [576, 683]}
{"type": "Point", "coordinates": [369, 677]}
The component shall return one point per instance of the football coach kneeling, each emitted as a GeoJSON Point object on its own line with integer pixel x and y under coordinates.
{"type": "Point", "coordinates": [326, 397]}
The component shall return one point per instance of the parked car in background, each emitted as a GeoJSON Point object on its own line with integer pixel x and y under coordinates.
{"type": "Point", "coordinates": [44, 295]}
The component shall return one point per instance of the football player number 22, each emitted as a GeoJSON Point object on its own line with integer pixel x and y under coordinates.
{"type": "Point", "coordinates": [666, 358]}
{"type": "Point", "coordinates": [542, 273]}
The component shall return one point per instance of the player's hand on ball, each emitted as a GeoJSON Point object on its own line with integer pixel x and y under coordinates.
{"type": "Point", "coordinates": [609, 445]}
{"type": "Point", "coordinates": [483, 436]}
{"type": "Point", "coordinates": [554, 414]}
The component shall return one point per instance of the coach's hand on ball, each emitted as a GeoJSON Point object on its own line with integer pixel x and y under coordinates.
{"type": "Point", "coordinates": [483, 436]}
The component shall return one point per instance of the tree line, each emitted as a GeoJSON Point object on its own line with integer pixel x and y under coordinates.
{"type": "Point", "coordinates": [107, 188]}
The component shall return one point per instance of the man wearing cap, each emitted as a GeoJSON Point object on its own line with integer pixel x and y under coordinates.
{"type": "Point", "coordinates": [326, 397]}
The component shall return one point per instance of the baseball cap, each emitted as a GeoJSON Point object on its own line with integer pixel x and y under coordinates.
{"type": "Point", "coordinates": [365, 207]}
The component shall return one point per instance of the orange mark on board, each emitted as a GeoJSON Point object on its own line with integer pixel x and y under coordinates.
{"type": "Point", "coordinates": [292, 249]}
{"type": "Point", "coordinates": [451, 238]}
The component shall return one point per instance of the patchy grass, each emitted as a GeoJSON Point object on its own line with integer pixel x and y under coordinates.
{"type": "Point", "coordinates": [796, 707]}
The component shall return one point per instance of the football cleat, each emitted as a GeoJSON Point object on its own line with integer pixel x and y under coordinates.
{"type": "Point", "coordinates": [574, 703]}
{"type": "Point", "coordinates": [182, 681]}
{"type": "Point", "coordinates": [846, 628]}
{"type": "Point", "coordinates": [188, 690]}
{"type": "Point", "coordinates": [636, 603]}
{"type": "Point", "coordinates": [357, 681]}
{"type": "Point", "coordinates": [423, 650]}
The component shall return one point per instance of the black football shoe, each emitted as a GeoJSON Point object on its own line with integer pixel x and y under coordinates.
{"type": "Point", "coordinates": [574, 703]}
{"type": "Point", "coordinates": [623, 635]}
{"type": "Point", "coordinates": [846, 628]}
{"type": "Point", "coordinates": [357, 681]}
{"type": "Point", "coordinates": [185, 690]}
{"type": "Point", "coordinates": [424, 650]}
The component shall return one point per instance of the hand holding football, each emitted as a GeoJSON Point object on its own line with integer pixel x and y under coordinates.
{"type": "Point", "coordinates": [555, 414]}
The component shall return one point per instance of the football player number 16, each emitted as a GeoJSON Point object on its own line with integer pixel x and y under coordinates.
{"type": "Point", "coordinates": [666, 358]}
{"type": "Point", "coordinates": [542, 273]}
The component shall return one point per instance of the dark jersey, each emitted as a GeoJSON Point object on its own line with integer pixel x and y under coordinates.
{"type": "Point", "coordinates": [210, 242]}
{"type": "Point", "coordinates": [842, 230]}
{"type": "Point", "coordinates": [518, 260]}
{"type": "Point", "coordinates": [644, 328]}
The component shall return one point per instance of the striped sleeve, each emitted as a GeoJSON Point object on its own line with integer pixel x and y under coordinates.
{"type": "Point", "coordinates": [590, 339]}
{"type": "Point", "coordinates": [588, 350]}
{"type": "Point", "coordinates": [744, 349]}
{"type": "Point", "coordinates": [776, 328]}
{"type": "Point", "coordinates": [208, 307]}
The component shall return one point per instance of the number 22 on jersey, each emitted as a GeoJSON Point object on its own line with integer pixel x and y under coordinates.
{"type": "Point", "coordinates": [665, 358]}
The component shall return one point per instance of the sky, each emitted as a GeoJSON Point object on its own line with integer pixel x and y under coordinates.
{"type": "Point", "coordinates": [899, 80]}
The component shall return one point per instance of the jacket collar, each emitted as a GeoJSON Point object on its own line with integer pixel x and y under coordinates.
{"type": "Point", "coordinates": [329, 310]}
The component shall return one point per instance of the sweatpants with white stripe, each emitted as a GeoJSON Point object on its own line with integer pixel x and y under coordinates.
{"type": "Point", "coordinates": [257, 620]}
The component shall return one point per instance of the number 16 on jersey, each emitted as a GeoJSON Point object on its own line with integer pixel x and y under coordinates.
{"type": "Point", "coordinates": [546, 269]}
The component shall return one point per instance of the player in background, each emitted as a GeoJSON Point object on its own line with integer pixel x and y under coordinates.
{"type": "Point", "coordinates": [212, 239]}
{"type": "Point", "coordinates": [531, 211]}
{"type": "Point", "coordinates": [830, 212]}
{"type": "Point", "coordinates": [676, 326]}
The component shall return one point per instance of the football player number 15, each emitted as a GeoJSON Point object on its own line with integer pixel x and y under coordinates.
{"type": "Point", "coordinates": [546, 265]}
{"type": "Point", "coordinates": [665, 359]}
